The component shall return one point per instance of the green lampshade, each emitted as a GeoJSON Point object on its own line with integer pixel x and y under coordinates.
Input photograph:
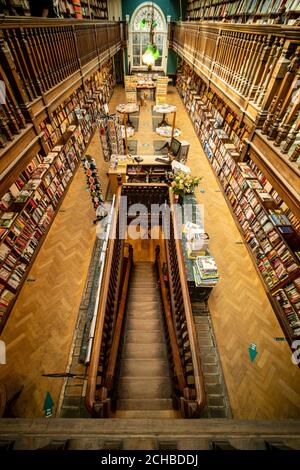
{"type": "Point", "coordinates": [153, 50]}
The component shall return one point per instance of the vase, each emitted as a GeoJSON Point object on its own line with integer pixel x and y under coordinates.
{"type": "Point", "coordinates": [178, 199]}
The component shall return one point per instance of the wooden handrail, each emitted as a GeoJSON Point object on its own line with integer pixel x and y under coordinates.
{"type": "Point", "coordinates": [112, 362]}
{"type": "Point", "coordinates": [95, 355]}
{"type": "Point", "coordinates": [178, 369]}
{"type": "Point", "coordinates": [259, 66]}
{"type": "Point", "coordinates": [198, 374]}
{"type": "Point", "coordinates": [41, 59]}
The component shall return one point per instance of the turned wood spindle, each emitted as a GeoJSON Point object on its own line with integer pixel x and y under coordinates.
{"type": "Point", "coordinates": [295, 155]}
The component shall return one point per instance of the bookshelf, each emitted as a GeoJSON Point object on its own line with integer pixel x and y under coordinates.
{"type": "Point", "coordinates": [29, 206]}
{"type": "Point", "coordinates": [94, 9]}
{"type": "Point", "coordinates": [80, 9]}
{"type": "Point", "coordinates": [110, 136]}
{"type": "Point", "coordinates": [245, 11]}
{"type": "Point", "coordinates": [270, 230]}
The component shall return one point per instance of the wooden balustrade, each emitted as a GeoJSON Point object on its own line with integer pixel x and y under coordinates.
{"type": "Point", "coordinates": [178, 376]}
{"type": "Point", "coordinates": [255, 67]}
{"type": "Point", "coordinates": [189, 394]}
{"type": "Point", "coordinates": [35, 58]}
{"type": "Point", "coordinates": [193, 399]}
{"type": "Point", "coordinates": [150, 196]}
{"type": "Point", "coordinates": [106, 319]}
{"type": "Point", "coordinates": [107, 391]}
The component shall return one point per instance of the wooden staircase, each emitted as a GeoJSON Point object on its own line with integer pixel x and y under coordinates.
{"type": "Point", "coordinates": [145, 386]}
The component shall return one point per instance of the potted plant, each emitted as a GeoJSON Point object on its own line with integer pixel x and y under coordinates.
{"type": "Point", "coordinates": [184, 183]}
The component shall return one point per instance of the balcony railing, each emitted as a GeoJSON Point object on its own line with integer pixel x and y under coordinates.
{"type": "Point", "coordinates": [35, 58]}
{"type": "Point", "coordinates": [254, 66]}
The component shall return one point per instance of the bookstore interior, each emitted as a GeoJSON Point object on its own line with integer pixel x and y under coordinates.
{"type": "Point", "coordinates": [150, 224]}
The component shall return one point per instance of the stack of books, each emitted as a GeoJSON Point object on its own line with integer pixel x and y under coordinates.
{"type": "Point", "coordinates": [197, 240]}
{"type": "Point", "coordinates": [205, 271]}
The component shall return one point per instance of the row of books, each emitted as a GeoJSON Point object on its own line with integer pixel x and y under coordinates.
{"type": "Point", "coordinates": [210, 112]}
{"type": "Point", "coordinates": [280, 203]}
{"type": "Point", "coordinates": [28, 207]}
{"type": "Point", "coordinates": [63, 8]}
{"type": "Point", "coordinates": [288, 299]}
{"type": "Point", "coordinates": [217, 113]}
{"type": "Point", "coordinates": [254, 202]}
{"type": "Point", "coordinates": [274, 259]}
{"type": "Point", "coordinates": [110, 130]}
{"type": "Point", "coordinates": [215, 8]}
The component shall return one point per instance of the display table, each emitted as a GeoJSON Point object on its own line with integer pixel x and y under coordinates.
{"type": "Point", "coordinates": [164, 109]}
{"type": "Point", "coordinates": [146, 84]}
{"type": "Point", "coordinates": [202, 292]}
{"type": "Point", "coordinates": [126, 168]}
{"type": "Point", "coordinates": [127, 109]}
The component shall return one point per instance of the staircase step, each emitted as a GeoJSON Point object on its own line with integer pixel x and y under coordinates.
{"type": "Point", "coordinates": [144, 325]}
{"type": "Point", "coordinates": [144, 337]}
{"type": "Point", "coordinates": [146, 305]}
{"type": "Point", "coordinates": [139, 285]}
{"type": "Point", "coordinates": [146, 387]}
{"type": "Point", "coordinates": [145, 368]}
{"type": "Point", "coordinates": [142, 351]}
{"type": "Point", "coordinates": [144, 404]}
{"type": "Point", "coordinates": [143, 282]}
{"type": "Point", "coordinates": [147, 315]}
{"type": "Point", "coordinates": [142, 299]}
{"type": "Point", "coordinates": [151, 414]}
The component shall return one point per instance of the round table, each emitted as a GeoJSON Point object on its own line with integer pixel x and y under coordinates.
{"type": "Point", "coordinates": [128, 108]}
{"type": "Point", "coordinates": [164, 109]}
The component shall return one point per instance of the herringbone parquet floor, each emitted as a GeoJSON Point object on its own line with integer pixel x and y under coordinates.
{"type": "Point", "coordinates": [40, 329]}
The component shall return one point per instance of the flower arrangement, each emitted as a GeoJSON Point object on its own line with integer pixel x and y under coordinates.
{"type": "Point", "coordinates": [184, 183]}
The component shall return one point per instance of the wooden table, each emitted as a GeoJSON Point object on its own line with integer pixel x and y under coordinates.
{"type": "Point", "coordinates": [146, 86]}
{"type": "Point", "coordinates": [127, 109]}
{"type": "Point", "coordinates": [164, 109]}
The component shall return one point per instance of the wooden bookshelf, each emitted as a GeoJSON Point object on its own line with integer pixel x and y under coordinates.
{"type": "Point", "coordinates": [268, 227]}
{"type": "Point", "coordinates": [28, 208]}
{"type": "Point", "coordinates": [245, 11]}
{"type": "Point", "coordinates": [94, 9]}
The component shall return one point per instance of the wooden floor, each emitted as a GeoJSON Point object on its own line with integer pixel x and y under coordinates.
{"type": "Point", "coordinates": [40, 329]}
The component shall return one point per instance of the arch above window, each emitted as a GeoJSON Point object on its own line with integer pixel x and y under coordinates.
{"type": "Point", "coordinates": [139, 36]}
{"type": "Point", "coordinates": [144, 12]}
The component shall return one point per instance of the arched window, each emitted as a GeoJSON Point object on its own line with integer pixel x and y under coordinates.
{"type": "Point", "coordinates": [139, 35]}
